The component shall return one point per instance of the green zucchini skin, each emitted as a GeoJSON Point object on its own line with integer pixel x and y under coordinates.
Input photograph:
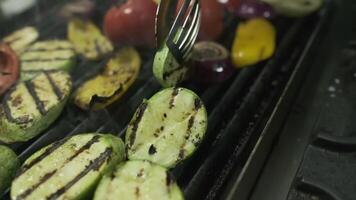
{"type": "Point", "coordinates": [31, 106]}
{"type": "Point", "coordinates": [47, 56]}
{"type": "Point", "coordinates": [68, 169]}
{"type": "Point", "coordinates": [9, 165]}
{"type": "Point", "coordinates": [140, 180]}
{"type": "Point", "coordinates": [167, 128]}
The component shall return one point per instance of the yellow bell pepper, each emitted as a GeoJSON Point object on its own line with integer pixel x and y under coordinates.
{"type": "Point", "coordinates": [254, 41]}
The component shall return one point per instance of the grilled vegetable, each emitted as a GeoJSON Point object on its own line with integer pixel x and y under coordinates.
{"type": "Point", "coordinates": [68, 169]}
{"type": "Point", "coordinates": [9, 68]}
{"type": "Point", "coordinates": [21, 39]}
{"type": "Point", "coordinates": [211, 62]}
{"type": "Point", "coordinates": [46, 56]}
{"type": "Point", "coordinates": [118, 75]}
{"type": "Point", "coordinates": [31, 106]}
{"type": "Point", "coordinates": [167, 128]}
{"type": "Point", "coordinates": [9, 164]}
{"type": "Point", "coordinates": [138, 180]}
{"type": "Point", "coordinates": [254, 41]}
{"type": "Point", "coordinates": [88, 40]}
{"type": "Point", "coordinates": [295, 8]}
{"type": "Point", "coordinates": [167, 70]}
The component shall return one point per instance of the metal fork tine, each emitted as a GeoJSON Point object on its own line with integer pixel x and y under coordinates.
{"type": "Point", "coordinates": [194, 9]}
{"type": "Point", "coordinates": [188, 22]}
{"type": "Point", "coordinates": [192, 36]}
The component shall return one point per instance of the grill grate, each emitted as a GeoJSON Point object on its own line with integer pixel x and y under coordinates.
{"type": "Point", "coordinates": [237, 108]}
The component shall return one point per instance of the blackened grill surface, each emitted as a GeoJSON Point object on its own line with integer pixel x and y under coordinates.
{"type": "Point", "coordinates": [237, 108]}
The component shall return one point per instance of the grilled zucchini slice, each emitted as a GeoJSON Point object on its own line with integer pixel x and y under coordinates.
{"type": "Point", "coordinates": [167, 70]}
{"type": "Point", "coordinates": [88, 40]}
{"type": "Point", "coordinates": [31, 106]}
{"type": "Point", "coordinates": [141, 180]}
{"type": "Point", "coordinates": [21, 39]}
{"type": "Point", "coordinates": [119, 74]}
{"type": "Point", "coordinates": [9, 165]}
{"type": "Point", "coordinates": [46, 56]}
{"type": "Point", "coordinates": [167, 128]}
{"type": "Point", "coordinates": [68, 169]}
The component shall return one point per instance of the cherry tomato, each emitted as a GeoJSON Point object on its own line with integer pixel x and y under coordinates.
{"type": "Point", "coordinates": [132, 23]}
{"type": "Point", "coordinates": [9, 67]}
{"type": "Point", "coordinates": [211, 25]}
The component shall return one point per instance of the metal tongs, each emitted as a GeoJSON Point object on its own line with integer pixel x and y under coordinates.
{"type": "Point", "coordinates": [179, 32]}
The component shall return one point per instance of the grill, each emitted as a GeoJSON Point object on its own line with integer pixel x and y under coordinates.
{"type": "Point", "coordinates": [245, 112]}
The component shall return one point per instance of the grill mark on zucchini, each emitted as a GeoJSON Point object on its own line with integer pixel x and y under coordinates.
{"type": "Point", "coordinates": [49, 50]}
{"type": "Point", "coordinates": [46, 153]}
{"type": "Point", "coordinates": [39, 104]}
{"type": "Point", "coordinates": [137, 192]}
{"type": "Point", "coordinates": [39, 60]}
{"type": "Point", "coordinates": [170, 73]}
{"type": "Point", "coordinates": [93, 165]}
{"type": "Point", "coordinates": [29, 191]}
{"type": "Point", "coordinates": [187, 135]}
{"type": "Point", "coordinates": [55, 88]}
{"type": "Point", "coordinates": [140, 113]}
{"type": "Point", "coordinates": [198, 104]}
{"type": "Point", "coordinates": [152, 150]}
{"type": "Point", "coordinates": [7, 111]}
{"type": "Point", "coordinates": [174, 94]}
{"type": "Point", "coordinates": [94, 140]}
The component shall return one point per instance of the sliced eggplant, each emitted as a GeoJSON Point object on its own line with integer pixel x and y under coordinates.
{"type": "Point", "coordinates": [31, 106]}
{"type": "Point", "coordinates": [47, 56]}
{"type": "Point", "coordinates": [88, 40]}
{"type": "Point", "coordinates": [140, 180]}
{"type": "Point", "coordinates": [9, 165]}
{"type": "Point", "coordinates": [21, 39]}
{"type": "Point", "coordinates": [119, 74]}
{"type": "Point", "coordinates": [167, 128]}
{"type": "Point", "coordinates": [68, 169]}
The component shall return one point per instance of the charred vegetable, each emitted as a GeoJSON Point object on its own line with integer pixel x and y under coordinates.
{"type": "Point", "coordinates": [9, 165]}
{"type": "Point", "coordinates": [166, 68]}
{"type": "Point", "coordinates": [88, 40]}
{"type": "Point", "coordinates": [31, 106]}
{"type": "Point", "coordinates": [167, 128]}
{"type": "Point", "coordinates": [47, 56]}
{"type": "Point", "coordinates": [9, 68]}
{"type": "Point", "coordinates": [254, 42]}
{"type": "Point", "coordinates": [139, 180]}
{"type": "Point", "coordinates": [211, 62]}
{"type": "Point", "coordinates": [68, 169]}
{"type": "Point", "coordinates": [295, 8]}
{"type": "Point", "coordinates": [21, 39]}
{"type": "Point", "coordinates": [119, 74]}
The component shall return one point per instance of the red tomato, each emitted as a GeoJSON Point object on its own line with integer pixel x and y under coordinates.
{"type": "Point", "coordinates": [212, 19]}
{"type": "Point", "coordinates": [132, 23]}
{"type": "Point", "coordinates": [9, 67]}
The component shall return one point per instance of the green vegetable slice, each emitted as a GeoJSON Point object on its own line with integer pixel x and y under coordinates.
{"type": "Point", "coordinates": [31, 106]}
{"type": "Point", "coordinates": [47, 56]}
{"type": "Point", "coordinates": [21, 39]}
{"type": "Point", "coordinates": [68, 169]}
{"type": "Point", "coordinates": [140, 180]}
{"type": "Point", "coordinates": [9, 164]}
{"type": "Point", "coordinates": [167, 128]}
{"type": "Point", "coordinates": [88, 39]}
